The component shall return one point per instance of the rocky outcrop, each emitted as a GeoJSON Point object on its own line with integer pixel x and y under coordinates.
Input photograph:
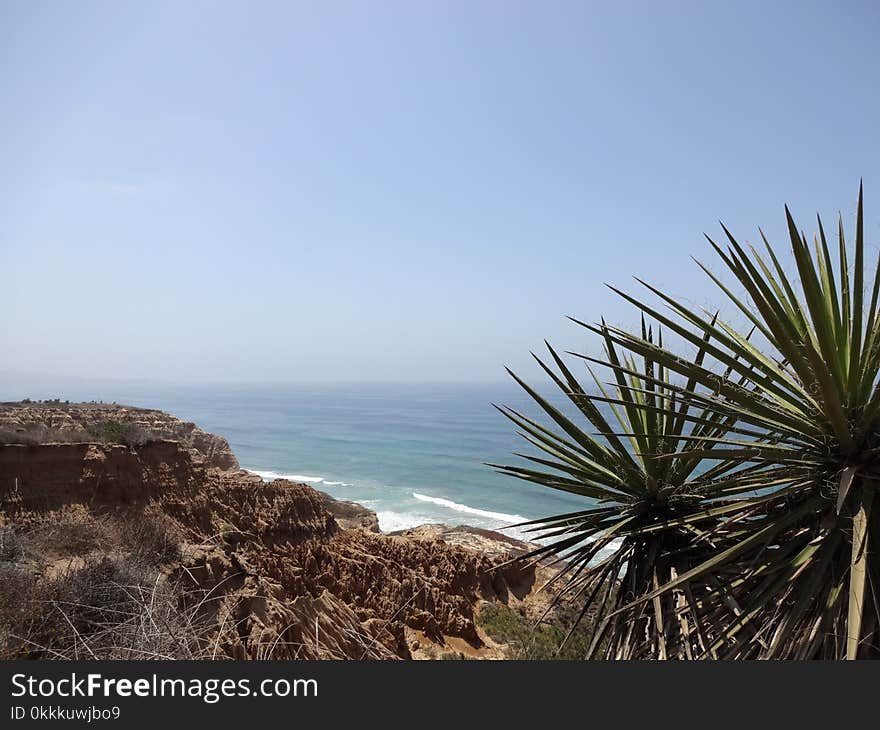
{"type": "Point", "coordinates": [476, 539]}
{"type": "Point", "coordinates": [256, 617]}
{"type": "Point", "coordinates": [281, 531]}
{"type": "Point", "coordinates": [279, 569]}
{"type": "Point", "coordinates": [350, 515]}
{"type": "Point", "coordinates": [80, 422]}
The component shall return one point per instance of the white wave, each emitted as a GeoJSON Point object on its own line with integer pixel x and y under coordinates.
{"type": "Point", "coordinates": [269, 475]}
{"type": "Point", "coordinates": [394, 521]}
{"type": "Point", "coordinates": [455, 506]}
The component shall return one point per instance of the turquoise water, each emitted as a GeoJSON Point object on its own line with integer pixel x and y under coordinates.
{"type": "Point", "coordinates": [412, 453]}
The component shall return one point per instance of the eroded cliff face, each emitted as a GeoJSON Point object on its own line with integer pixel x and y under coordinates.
{"type": "Point", "coordinates": [45, 477]}
{"type": "Point", "coordinates": [273, 572]}
{"type": "Point", "coordinates": [78, 422]}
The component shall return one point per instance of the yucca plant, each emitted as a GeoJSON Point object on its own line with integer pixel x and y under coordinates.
{"type": "Point", "coordinates": [656, 493]}
{"type": "Point", "coordinates": [802, 568]}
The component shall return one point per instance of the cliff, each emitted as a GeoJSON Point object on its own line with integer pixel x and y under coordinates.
{"type": "Point", "coordinates": [264, 570]}
{"type": "Point", "coordinates": [30, 423]}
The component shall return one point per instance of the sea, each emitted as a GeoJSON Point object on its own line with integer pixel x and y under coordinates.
{"type": "Point", "coordinates": [414, 454]}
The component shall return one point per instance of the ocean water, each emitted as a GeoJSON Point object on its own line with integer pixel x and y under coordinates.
{"type": "Point", "coordinates": [412, 453]}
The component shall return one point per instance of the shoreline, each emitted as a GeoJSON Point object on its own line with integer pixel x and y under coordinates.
{"type": "Point", "coordinates": [280, 555]}
{"type": "Point", "coordinates": [354, 515]}
{"type": "Point", "coordinates": [401, 521]}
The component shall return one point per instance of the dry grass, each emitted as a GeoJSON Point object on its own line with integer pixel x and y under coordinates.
{"type": "Point", "coordinates": [108, 432]}
{"type": "Point", "coordinates": [98, 606]}
{"type": "Point", "coordinates": [11, 546]}
{"type": "Point", "coordinates": [146, 534]}
{"type": "Point", "coordinates": [152, 536]}
{"type": "Point", "coordinates": [104, 609]}
{"type": "Point", "coordinates": [71, 532]}
{"type": "Point", "coordinates": [40, 434]}
{"type": "Point", "coordinates": [123, 607]}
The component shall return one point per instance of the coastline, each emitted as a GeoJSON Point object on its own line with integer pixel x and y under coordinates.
{"type": "Point", "coordinates": [390, 521]}
{"type": "Point", "coordinates": [86, 489]}
{"type": "Point", "coordinates": [414, 455]}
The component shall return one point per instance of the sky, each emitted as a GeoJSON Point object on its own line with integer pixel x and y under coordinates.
{"type": "Point", "coordinates": [399, 191]}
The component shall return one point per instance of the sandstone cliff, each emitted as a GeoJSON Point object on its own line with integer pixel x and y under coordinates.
{"type": "Point", "coordinates": [270, 570]}
{"type": "Point", "coordinates": [78, 422]}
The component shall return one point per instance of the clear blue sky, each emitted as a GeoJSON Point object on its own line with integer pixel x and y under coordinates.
{"type": "Point", "coordinates": [398, 191]}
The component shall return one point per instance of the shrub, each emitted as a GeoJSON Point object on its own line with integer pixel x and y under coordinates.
{"type": "Point", "coordinates": [526, 640]}
{"type": "Point", "coordinates": [802, 565]}
{"type": "Point", "coordinates": [118, 432]}
{"type": "Point", "coordinates": [770, 549]}
{"type": "Point", "coordinates": [103, 609]}
{"type": "Point", "coordinates": [153, 537]}
{"type": "Point", "coordinates": [70, 533]}
{"type": "Point", "coordinates": [17, 609]}
{"type": "Point", "coordinates": [11, 548]}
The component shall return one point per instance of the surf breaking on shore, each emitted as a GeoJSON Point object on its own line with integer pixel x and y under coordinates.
{"type": "Point", "coordinates": [268, 475]}
{"type": "Point", "coordinates": [410, 508]}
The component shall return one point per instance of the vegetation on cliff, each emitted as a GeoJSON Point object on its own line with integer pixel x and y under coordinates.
{"type": "Point", "coordinates": [779, 537]}
{"type": "Point", "coordinates": [524, 638]}
{"type": "Point", "coordinates": [657, 501]}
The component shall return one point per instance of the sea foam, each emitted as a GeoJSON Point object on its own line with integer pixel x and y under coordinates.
{"type": "Point", "coordinates": [269, 475]}
{"type": "Point", "coordinates": [393, 521]}
{"type": "Point", "coordinates": [456, 507]}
